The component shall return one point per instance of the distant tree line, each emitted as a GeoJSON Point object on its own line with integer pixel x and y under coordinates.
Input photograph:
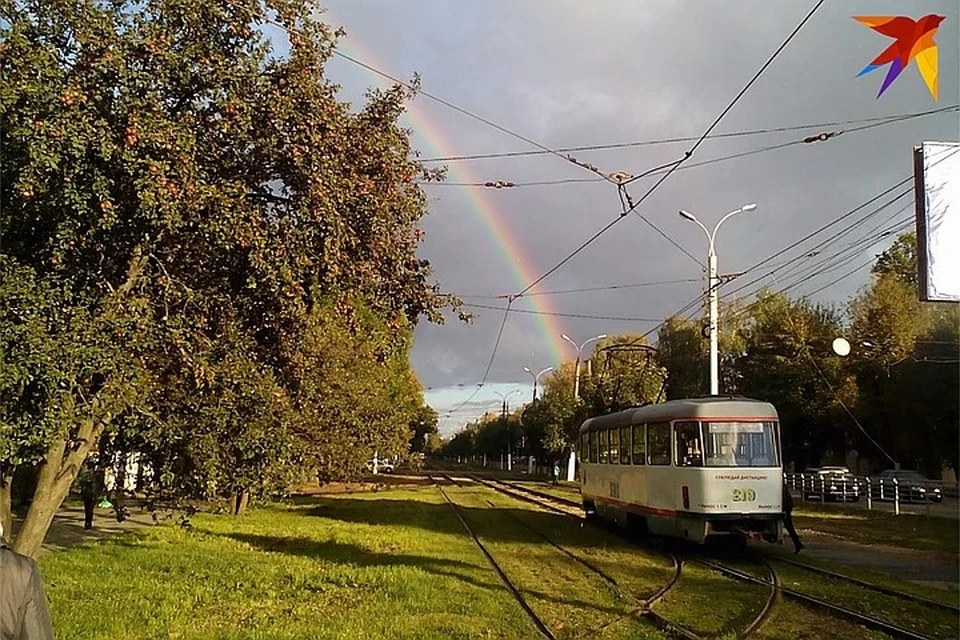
{"type": "Point", "coordinates": [205, 259]}
{"type": "Point", "coordinates": [900, 380]}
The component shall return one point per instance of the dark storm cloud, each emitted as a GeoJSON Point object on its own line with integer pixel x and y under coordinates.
{"type": "Point", "coordinates": [571, 73]}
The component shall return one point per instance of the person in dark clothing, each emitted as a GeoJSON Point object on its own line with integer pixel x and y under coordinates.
{"type": "Point", "coordinates": [91, 488]}
{"type": "Point", "coordinates": [788, 519]}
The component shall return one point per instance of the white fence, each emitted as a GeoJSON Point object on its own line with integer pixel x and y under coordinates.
{"type": "Point", "coordinates": [848, 488]}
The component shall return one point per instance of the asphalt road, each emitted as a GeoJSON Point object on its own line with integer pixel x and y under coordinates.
{"type": "Point", "coordinates": [949, 508]}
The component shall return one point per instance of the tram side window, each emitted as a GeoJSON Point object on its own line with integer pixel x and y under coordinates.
{"type": "Point", "coordinates": [614, 446]}
{"type": "Point", "coordinates": [689, 453]}
{"type": "Point", "coordinates": [603, 446]}
{"type": "Point", "coordinates": [639, 444]}
{"type": "Point", "coordinates": [582, 447]}
{"type": "Point", "coordinates": [624, 445]}
{"type": "Point", "coordinates": [658, 443]}
{"type": "Point", "coordinates": [594, 445]}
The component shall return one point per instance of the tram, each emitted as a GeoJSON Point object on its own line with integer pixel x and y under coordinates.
{"type": "Point", "coordinates": [697, 469]}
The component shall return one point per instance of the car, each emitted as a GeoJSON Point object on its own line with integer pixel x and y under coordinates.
{"type": "Point", "coordinates": [383, 466]}
{"type": "Point", "coordinates": [830, 483]}
{"type": "Point", "coordinates": [911, 485]}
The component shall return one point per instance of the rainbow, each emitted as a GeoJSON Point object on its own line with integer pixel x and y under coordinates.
{"type": "Point", "coordinates": [480, 203]}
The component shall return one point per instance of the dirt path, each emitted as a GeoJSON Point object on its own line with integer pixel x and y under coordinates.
{"type": "Point", "coordinates": [67, 530]}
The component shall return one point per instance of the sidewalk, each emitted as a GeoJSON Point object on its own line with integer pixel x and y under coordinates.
{"type": "Point", "coordinates": [67, 530]}
{"type": "Point", "coordinates": [928, 568]}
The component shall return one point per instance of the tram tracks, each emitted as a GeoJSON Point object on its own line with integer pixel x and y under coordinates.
{"type": "Point", "coordinates": [771, 579]}
{"type": "Point", "coordinates": [511, 587]}
{"type": "Point", "coordinates": [645, 605]}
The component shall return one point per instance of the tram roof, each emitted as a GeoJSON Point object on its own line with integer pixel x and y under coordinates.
{"type": "Point", "coordinates": [706, 407]}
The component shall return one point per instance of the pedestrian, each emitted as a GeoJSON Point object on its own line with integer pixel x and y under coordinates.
{"type": "Point", "coordinates": [23, 605]}
{"type": "Point", "coordinates": [91, 488]}
{"type": "Point", "coordinates": [556, 473]}
{"type": "Point", "coordinates": [788, 519]}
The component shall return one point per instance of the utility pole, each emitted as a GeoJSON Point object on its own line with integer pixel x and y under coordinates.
{"type": "Point", "coordinates": [572, 464]}
{"type": "Point", "coordinates": [503, 418]}
{"type": "Point", "coordinates": [714, 286]}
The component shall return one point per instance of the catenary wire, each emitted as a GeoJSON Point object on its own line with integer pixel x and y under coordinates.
{"type": "Point", "coordinates": [680, 139]}
{"type": "Point", "coordinates": [687, 155]}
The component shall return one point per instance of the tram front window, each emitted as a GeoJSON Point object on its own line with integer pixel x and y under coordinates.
{"type": "Point", "coordinates": [740, 444]}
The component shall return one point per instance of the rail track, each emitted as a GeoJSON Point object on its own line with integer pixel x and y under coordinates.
{"type": "Point", "coordinates": [772, 581]}
{"type": "Point", "coordinates": [537, 621]}
{"type": "Point", "coordinates": [833, 609]}
{"type": "Point", "coordinates": [871, 586]}
{"type": "Point", "coordinates": [548, 501]}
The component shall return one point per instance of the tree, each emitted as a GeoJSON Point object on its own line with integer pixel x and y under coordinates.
{"type": "Point", "coordinates": [166, 180]}
{"type": "Point", "coordinates": [786, 361]}
{"type": "Point", "coordinates": [423, 425]}
{"type": "Point", "coordinates": [900, 260]}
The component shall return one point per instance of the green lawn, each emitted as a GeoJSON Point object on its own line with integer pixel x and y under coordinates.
{"type": "Point", "coordinates": [387, 564]}
{"type": "Point", "coordinates": [366, 565]}
{"type": "Point", "coordinates": [925, 533]}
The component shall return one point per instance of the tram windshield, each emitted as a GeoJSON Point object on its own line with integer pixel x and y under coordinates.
{"type": "Point", "coordinates": [740, 444]}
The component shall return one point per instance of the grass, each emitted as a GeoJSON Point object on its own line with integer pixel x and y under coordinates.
{"type": "Point", "coordinates": [391, 564]}
{"type": "Point", "coordinates": [384, 565]}
{"type": "Point", "coordinates": [924, 533]}
{"type": "Point", "coordinates": [930, 621]}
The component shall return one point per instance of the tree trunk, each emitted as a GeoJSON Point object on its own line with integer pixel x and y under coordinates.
{"type": "Point", "coordinates": [240, 500]}
{"type": "Point", "coordinates": [6, 515]}
{"type": "Point", "coordinates": [57, 471]}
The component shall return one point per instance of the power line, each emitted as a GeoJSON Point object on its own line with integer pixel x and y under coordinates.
{"type": "Point", "coordinates": [493, 355]}
{"type": "Point", "coordinates": [470, 114]}
{"type": "Point", "coordinates": [687, 155]}
{"type": "Point", "coordinates": [562, 315]}
{"type": "Point", "coordinates": [609, 287]}
{"type": "Point", "coordinates": [717, 136]}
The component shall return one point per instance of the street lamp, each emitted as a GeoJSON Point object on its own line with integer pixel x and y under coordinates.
{"type": "Point", "coordinates": [536, 378]}
{"type": "Point", "coordinates": [576, 375]}
{"type": "Point", "coordinates": [714, 285]}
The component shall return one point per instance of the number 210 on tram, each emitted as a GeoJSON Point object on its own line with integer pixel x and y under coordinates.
{"type": "Point", "coordinates": [695, 468]}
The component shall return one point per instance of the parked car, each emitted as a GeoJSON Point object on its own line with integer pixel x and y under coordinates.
{"type": "Point", "coordinates": [831, 483]}
{"type": "Point", "coordinates": [383, 466]}
{"type": "Point", "coordinates": [912, 485]}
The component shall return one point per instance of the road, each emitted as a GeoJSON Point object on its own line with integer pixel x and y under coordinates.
{"type": "Point", "coordinates": [949, 508]}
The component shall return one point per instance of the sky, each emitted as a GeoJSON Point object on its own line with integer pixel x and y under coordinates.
{"type": "Point", "coordinates": [563, 74]}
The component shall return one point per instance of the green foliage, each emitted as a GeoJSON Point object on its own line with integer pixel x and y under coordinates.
{"type": "Point", "coordinates": [205, 254]}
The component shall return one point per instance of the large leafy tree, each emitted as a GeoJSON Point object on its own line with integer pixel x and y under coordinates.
{"type": "Point", "coordinates": [168, 181]}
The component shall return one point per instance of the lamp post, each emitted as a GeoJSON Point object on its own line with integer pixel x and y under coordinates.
{"type": "Point", "coordinates": [572, 464]}
{"type": "Point", "coordinates": [536, 378]}
{"type": "Point", "coordinates": [713, 286]}
{"type": "Point", "coordinates": [504, 418]}
{"type": "Point", "coordinates": [576, 375]}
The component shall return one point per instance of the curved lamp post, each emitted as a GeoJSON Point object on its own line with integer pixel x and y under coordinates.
{"type": "Point", "coordinates": [714, 285]}
{"type": "Point", "coordinates": [536, 379]}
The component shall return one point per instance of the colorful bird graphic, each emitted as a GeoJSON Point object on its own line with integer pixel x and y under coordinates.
{"type": "Point", "coordinates": [914, 39]}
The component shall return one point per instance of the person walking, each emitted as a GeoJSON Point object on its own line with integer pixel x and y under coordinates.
{"type": "Point", "coordinates": [91, 489]}
{"type": "Point", "coordinates": [788, 519]}
{"type": "Point", "coordinates": [556, 473]}
{"type": "Point", "coordinates": [23, 604]}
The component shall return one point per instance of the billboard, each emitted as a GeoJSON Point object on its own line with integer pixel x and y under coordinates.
{"type": "Point", "coordinates": [936, 173]}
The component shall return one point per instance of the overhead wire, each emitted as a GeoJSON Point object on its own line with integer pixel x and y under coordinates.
{"type": "Point", "coordinates": [609, 287]}
{"type": "Point", "coordinates": [688, 154]}
{"type": "Point", "coordinates": [562, 315]}
{"type": "Point", "coordinates": [680, 139]}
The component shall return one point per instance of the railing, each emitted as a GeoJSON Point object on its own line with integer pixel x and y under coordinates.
{"type": "Point", "coordinates": [849, 488]}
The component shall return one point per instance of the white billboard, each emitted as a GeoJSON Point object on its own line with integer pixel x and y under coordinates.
{"type": "Point", "coordinates": [937, 184]}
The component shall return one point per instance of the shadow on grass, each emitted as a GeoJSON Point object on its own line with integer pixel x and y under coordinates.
{"type": "Point", "coordinates": [355, 555]}
{"type": "Point", "coordinates": [438, 518]}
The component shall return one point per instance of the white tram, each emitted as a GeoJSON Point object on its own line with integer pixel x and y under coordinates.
{"type": "Point", "coordinates": [695, 468]}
